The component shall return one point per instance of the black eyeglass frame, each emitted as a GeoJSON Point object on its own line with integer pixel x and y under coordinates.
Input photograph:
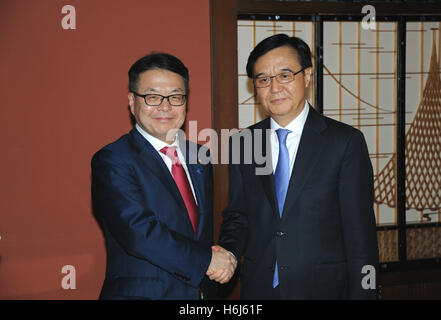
{"type": "Point", "coordinates": [162, 98]}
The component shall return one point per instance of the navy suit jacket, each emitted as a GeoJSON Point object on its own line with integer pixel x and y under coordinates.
{"type": "Point", "coordinates": [152, 250]}
{"type": "Point", "coordinates": [327, 231]}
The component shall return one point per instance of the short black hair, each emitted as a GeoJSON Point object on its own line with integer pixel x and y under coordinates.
{"type": "Point", "coordinates": [157, 60]}
{"type": "Point", "coordinates": [276, 41]}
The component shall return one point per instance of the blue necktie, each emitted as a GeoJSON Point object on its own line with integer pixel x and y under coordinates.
{"type": "Point", "coordinates": [281, 180]}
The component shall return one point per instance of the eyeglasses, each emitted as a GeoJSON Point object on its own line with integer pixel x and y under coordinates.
{"type": "Point", "coordinates": [155, 100]}
{"type": "Point", "coordinates": [283, 77]}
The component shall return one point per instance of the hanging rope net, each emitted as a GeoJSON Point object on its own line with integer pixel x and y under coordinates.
{"type": "Point", "coordinates": [423, 152]}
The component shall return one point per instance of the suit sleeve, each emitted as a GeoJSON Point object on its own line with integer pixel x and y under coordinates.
{"type": "Point", "coordinates": [234, 229]}
{"type": "Point", "coordinates": [358, 219]}
{"type": "Point", "coordinates": [117, 200]}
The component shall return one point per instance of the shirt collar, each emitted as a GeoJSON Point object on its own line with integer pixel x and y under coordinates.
{"type": "Point", "coordinates": [155, 142]}
{"type": "Point", "coordinates": [296, 125]}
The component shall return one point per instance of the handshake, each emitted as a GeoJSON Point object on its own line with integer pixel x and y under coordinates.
{"type": "Point", "coordinates": [222, 265]}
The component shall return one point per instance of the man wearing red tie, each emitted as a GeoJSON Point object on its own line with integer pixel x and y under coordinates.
{"type": "Point", "coordinates": [154, 205]}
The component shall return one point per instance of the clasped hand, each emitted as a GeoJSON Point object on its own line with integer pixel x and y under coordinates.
{"type": "Point", "coordinates": [222, 265]}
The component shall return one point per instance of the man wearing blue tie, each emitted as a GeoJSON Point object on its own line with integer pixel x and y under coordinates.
{"type": "Point", "coordinates": [306, 229]}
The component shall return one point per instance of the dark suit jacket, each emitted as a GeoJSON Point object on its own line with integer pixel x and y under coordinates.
{"type": "Point", "coordinates": [327, 231]}
{"type": "Point", "coordinates": [152, 251]}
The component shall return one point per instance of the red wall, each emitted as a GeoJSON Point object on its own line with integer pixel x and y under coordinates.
{"type": "Point", "coordinates": [63, 95]}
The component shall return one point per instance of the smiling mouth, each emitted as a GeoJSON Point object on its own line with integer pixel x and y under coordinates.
{"type": "Point", "coordinates": [163, 119]}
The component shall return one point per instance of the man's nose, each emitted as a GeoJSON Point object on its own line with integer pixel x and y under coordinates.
{"type": "Point", "coordinates": [275, 86]}
{"type": "Point", "coordinates": [165, 105]}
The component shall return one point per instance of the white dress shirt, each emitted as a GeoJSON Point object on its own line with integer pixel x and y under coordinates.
{"type": "Point", "coordinates": [292, 140]}
{"type": "Point", "coordinates": [158, 145]}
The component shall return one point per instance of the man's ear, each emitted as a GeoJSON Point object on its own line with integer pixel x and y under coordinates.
{"type": "Point", "coordinates": [131, 98]}
{"type": "Point", "coordinates": [307, 74]}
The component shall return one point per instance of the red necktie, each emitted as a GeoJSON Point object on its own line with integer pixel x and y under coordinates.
{"type": "Point", "coordinates": [181, 180]}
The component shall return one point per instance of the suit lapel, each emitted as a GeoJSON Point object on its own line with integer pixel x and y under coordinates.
{"type": "Point", "coordinates": [308, 153]}
{"type": "Point", "coordinates": [268, 179]}
{"type": "Point", "coordinates": [196, 172]}
{"type": "Point", "coordinates": [154, 163]}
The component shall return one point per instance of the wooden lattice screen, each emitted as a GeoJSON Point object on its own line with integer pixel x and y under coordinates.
{"type": "Point", "coordinates": [423, 152]}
